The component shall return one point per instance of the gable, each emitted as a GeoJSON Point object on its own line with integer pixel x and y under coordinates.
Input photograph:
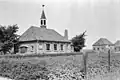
{"type": "Point", "coordinates": [102, 41]}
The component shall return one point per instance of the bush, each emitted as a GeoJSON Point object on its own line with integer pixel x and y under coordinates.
{"type": "Point", "coordinates": [22, 70]}
{"type": "Point", "coordinates": [20, 56]}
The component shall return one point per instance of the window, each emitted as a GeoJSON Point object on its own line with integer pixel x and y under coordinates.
{"type": "Point", "coordinates": [47, 46]}
{"type": "Point", "coordinates": [23, 49]}
{"type": "Point", "coordinates": [55, 46]}
{"type": "Point", "coordinates": [98, 49]}
{"type": "Point", "coordinates": [32, 47]}
{"type": "Point", "coordinates": [40, 46]}
{"type": "Point", "coordinates": [44, 22]}
{"type": "Point", "coordinates": [61, 46]}
{"type": "Point", "coordinates": [41, 22]}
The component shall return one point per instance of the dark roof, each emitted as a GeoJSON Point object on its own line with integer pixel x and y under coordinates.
{"type": "Point", "coordinates": [37, 33]}
{"type": "Point", "coordinates": [117, 43]}
{"type": "Point", "coordinates": [43, 15]}
{"type": "Point", "coordinates": [102, 41]}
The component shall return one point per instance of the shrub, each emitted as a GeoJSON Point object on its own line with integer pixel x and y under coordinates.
{"type": "Point", "coordinates": [22, 70]}
{"type": "Point", "coordinates": [19, 56]}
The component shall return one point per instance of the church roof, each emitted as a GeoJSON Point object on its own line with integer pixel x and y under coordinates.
{"type": "Point", "coordinates": [102, 41]}
{"type": "Point", "coordinates": [43, 15]}
{"type": "Point", "coordinates": [44, 34]}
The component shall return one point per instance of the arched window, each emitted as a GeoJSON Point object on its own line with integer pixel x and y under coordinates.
{"type": "Point", "coordinates": [41, 22]}
{"type": "Point", "coordinates": [44, 22]}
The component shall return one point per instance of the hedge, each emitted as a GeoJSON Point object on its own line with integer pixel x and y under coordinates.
{"type": "Point", "coordinates": [39, 55]}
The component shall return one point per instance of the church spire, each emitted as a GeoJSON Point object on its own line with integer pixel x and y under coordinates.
{"type": "Point", "coordinates": [43, 18]}
{"type": "Point", "coordinates": [43, 13]}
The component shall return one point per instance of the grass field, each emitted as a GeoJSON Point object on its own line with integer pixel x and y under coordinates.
{"type": "Point", "coordinates": [97, 65]}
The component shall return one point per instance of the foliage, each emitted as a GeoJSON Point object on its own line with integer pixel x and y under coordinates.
{"type": "Point", "coordinates": [69, 68]}
{"type": "Point", "coordinates": [78, 42]}
{"type": "Point", "coordinates": [22, 70]}
{"type": "Point", "coordinates": [99, 67]}
{"type": "Point", "coordinates": [19, 69]}
{"type": "Point", "coordinates": [67, 71]}
{"type": "Point", "coordinates": [19, 56]}
{"type": "Point", "coordinates": [8, 37]}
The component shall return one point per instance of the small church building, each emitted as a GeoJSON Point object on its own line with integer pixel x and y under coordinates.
{"type": "Point", "coordinates": [117, 46]}
{"type": "Point", "coordinates": [41, 40]}
{"type": "Point", "coordinates": [102, 45]}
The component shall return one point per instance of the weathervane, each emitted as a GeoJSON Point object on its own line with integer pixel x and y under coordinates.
{"type": "Point", "coordinates": [43, 5]}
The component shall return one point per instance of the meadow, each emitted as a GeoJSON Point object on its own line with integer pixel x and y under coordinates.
{"type": "Point", "coordinates": [60, 67]}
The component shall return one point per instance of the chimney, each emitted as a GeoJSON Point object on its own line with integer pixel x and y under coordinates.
{"type": "Point", "coordinates": [66, 34]}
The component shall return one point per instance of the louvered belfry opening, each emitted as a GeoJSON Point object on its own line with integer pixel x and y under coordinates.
{"type": "Point", "coordinates": [43, 18]}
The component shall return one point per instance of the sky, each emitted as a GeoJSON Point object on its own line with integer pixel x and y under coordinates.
{"type": "Point", "coordinates": [100, 18]}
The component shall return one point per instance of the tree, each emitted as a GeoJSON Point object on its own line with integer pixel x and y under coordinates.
{"type": "Point", "coordinates": [78, 42]}
{"type": "Point", "coordinates": [8, 38]}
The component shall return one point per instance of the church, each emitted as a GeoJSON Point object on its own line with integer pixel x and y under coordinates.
{"type": "Point", "coordinates": [102, 45]}
{"type": "Point", "coordinates": [41, 40]}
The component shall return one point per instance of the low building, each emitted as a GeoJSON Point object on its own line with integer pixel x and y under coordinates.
{"type": "Point", "coordinates": [117, 46]}
{"type": "Point", "coordinates": [102, 44]}
{"type": "Point", "coordinates": [43, 40]}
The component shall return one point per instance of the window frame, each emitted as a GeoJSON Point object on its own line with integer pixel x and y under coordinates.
{"type": "Point", "coordinates": [55, 47]}
{"type": "Point", "coordinates": [32, 48]}
{"type": "Point", "coordinates": [48, 47]}
{"type": "Point", "coordinates": [98, 49]}
{"type": "Point", "coordinates": [23, 49]}
{"type": "Point", "coordinates": [41, 22]}
{"type": "Point", "coordinates": [61, 47]}
{"type": "Point", "coordinates": [44, 22]}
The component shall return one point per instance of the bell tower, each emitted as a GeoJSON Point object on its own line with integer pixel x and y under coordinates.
{"type": "Point", "coordinates": [43, 18]}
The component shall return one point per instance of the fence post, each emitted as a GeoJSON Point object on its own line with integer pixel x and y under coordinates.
{"type": "Point", "coordinates": [109, 60]}
{"type": "Point", "coordinates": [109, 52]}
{"type": "Point", "coordinates": [85, 56]}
